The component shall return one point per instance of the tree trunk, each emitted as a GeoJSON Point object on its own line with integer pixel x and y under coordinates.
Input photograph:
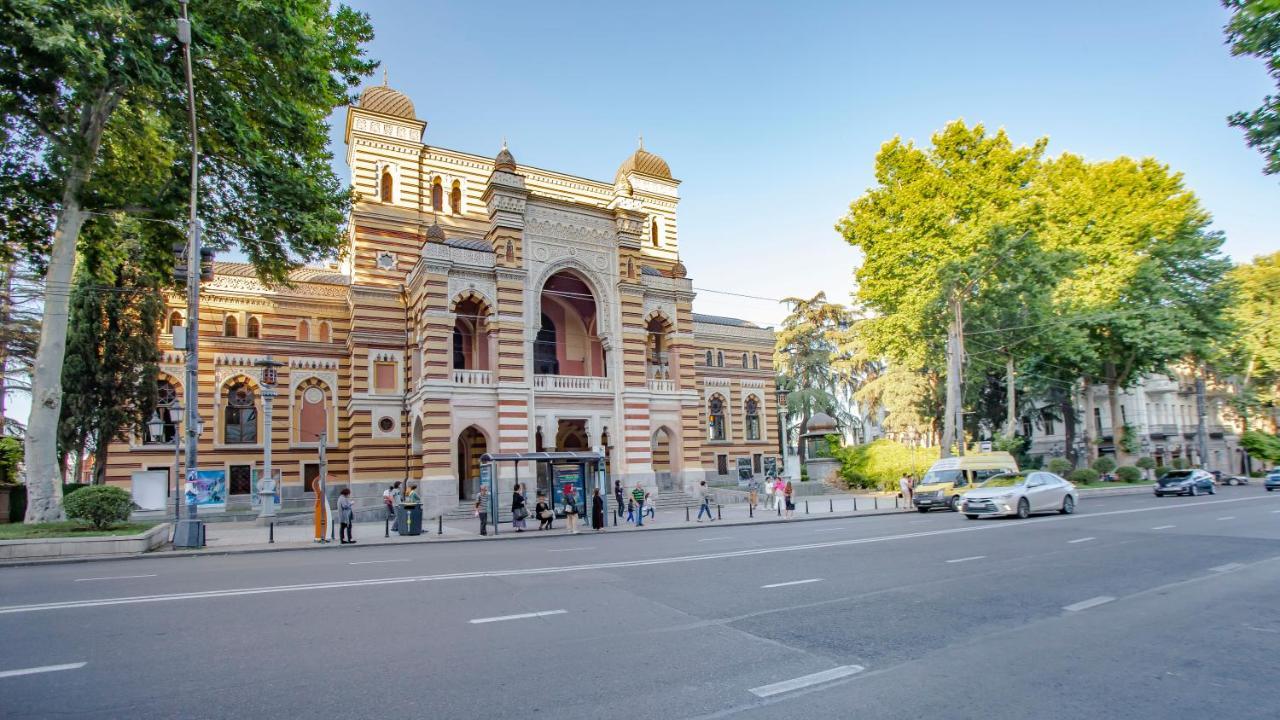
{"type": "Point", "coordinates": [1069, 429]}
{"type": "Point", "coordinates": [1090, 438]}
{"type": "Point", "coordinates": [7, 290]}
{"type": "Point", "coordinates": [100, 451]}
{"type": "Point", "coordinates": [1011, 399]}
{"type": "Point", "coordinates": [951, 432]}
{"type": "Point", "coordinates": [1202, 432]}
{"type": "Point", "coordinates": [44, 487]}
{"type": "Point", "coordinates": [1117, 423]}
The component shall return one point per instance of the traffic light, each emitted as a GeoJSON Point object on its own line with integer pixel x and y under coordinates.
{"type": "Point", "coordinates": [180, 262]}
{"type": "Point", "coordinates": [206, 264]}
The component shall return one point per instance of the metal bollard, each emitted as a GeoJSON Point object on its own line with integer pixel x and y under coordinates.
{"type": "Point", "coordinates": [831, 505]}
{"type": "Point", "coordinates": [895, 502]}
{"type": "Point", "coordinates": [876, 500]}
{"type": "Point", "coordinates": [855, 503]}
{"type": "Point", "coordinates": [271, 537]}
{"type": "Point", "coordinates": [615, 519]}
{"type": "Point", "coordinates": [718, 512]}
{"type": "Point", "coordinates": [779, 510]}
{"type": "Point", "coordinates": [440, 524]}
{"type": "Point", "coordinates": [686, 513]}
{"type": "Point", "coordinates": [751, 510]}
{"type": "Point", "coordinates": [386, 527]}
{"type": "Point", "coordinates": [806, 507]}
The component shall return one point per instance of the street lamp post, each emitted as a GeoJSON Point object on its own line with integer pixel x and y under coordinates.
{"type": "Point", "coordinates": [156, 427]}
{"type": "Point", "coordinates": [782, 434]}
{"type": "Point", "coordinates": [267, 481]}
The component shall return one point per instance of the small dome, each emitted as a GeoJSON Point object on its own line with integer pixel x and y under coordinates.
{"type": "Point", "coordinates": [435, 233]}
{"type": "Point", "coordinates": [382, 99]}
{"type": "Point", "coordinates": [821, 423]}
{"type": "Point", "coordinates": [645, 163]}
{"type": "Point", "coordinates": [679, 270]}
{"type": "Point", "coordinates": [505, 161]}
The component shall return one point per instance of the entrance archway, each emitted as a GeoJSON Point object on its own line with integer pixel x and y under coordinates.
{"type": "Point", "coordinates": [663, 468]}
{"type": "Point", "coordinates": [471, 445]}
{"type": "Point", "coordinates": [568, 341]}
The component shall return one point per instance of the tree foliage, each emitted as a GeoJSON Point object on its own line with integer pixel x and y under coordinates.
{"type": "Point", "coordinates": [1261, 445]}
{"type": "Point", "coordinates": [808, 363]}
{"type": "Point", "coordinates": [1254, 29]}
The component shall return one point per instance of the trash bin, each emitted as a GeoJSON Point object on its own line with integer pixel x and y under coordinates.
{"type": "Point", "coordinates": [409, 519]}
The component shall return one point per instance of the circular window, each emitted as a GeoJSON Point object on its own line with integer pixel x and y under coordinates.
{"type": "Point", "coordinates": [386, 424]}
{"type": "Point", "coordinates": [313, 395]}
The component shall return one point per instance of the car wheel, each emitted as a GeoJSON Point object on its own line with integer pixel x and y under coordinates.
{"type": "Point", "coordinates": [923, 509]}
{"type": "Point", "coordinates": [1024, 509]}
{"type": "Point", "coordinates": [1195, 490]}
{"type": "Point", "coordinates": [1270, 489]}
{"type": "Point", "coordinates": [1213, 490]}
{"type": "Point", "coordinates": [955, 503]}
{"type": "Point", "coordinates": [1068, 505]}
{"type": "Point", "coordinates": [970, 516]}
{"type": "Point", "coordinates": [1159, 494]}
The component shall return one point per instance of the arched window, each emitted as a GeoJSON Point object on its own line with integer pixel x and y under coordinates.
{"type": "Point", "coordinates": [715, 418]}
{"type": "Point", "coordinates": [653, 231]}
{"type": "Point", "coordinates": [753, 418]}
{"type": "Point", "coordinates": [744, 361]}
{"type": "Point", "coordinates": [304, 331]}
{"type": "Point", "coordinates": [755, 361]}
{"type": "Point", "coordinates": [311, 416]}
{"type": "Point", "coordinates": [167, 409]}
{"type": "Point", "coordinates": [719, 358]}
{"type": "Point", "coordinates": [545, 361]}
{"type": "Point", "coordinates": [437, 195]}
{"type": "Point", "coordinates": [229, 327]}
{"type": "Point", "coordinates": [324, 331]}
{"type": "Point", "coordinates": [240, 419]}
{"type": "Point", "coordinates": [386, 186]}
{"type": "Point", "coordinates": [708, 358]}
{"type": "Point", "coordinates": [175, 320]}
{"type": "Point", "coordinates": [254, 328]}
{"type": "Point", "coordinates": [455, 198]}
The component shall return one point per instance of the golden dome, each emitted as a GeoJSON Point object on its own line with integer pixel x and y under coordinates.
{"type": "Point", "coordinates": [382, 99]}
{"type": "Point", "coordinates": [435, 233]}
{"type": "Point", "coordinates": [505, 160]}
{"type": "Point", "coordinates": [645, 163]}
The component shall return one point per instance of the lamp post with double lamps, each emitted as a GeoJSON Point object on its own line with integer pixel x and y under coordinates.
{"type": "Point", "coordinates": [782, 434]}
{"type": "Point", "coordinates": [267, 481]}
{"type": "Point", "coordinates": [155, 426]}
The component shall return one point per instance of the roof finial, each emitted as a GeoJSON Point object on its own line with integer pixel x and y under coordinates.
{"type": "Point", "coordinates": [384, 76]}
{"type": "Point", "coordinates": [640, 140]}
{"type": "Point", "coordinates": [504, 142]}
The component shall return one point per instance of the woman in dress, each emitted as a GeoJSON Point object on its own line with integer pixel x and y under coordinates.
{"type": "Point", "coordinates": [571, 510]}
{"type": "Point", "coordinates": [518, 510]}
{"type": "Point", "coordinates": [597, 511]}
{"type": "Point", "coordinates": [787, 492]}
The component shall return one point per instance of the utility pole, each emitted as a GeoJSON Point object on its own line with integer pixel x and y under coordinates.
{"type": "Point", "coordinates": [1011, 398]}
{"type": "Point", "coordinates": [1202, 432]}
{"type": "Point", "coordinates": [189, 533]}
{"type": "Point", "coordinates": [952, 420]}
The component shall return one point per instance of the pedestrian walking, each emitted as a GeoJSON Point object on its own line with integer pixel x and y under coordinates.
{"type": "Point", "coordinates": [346, 516]}
{"type": "Point", "coordinates": [788, 493]}
{"type": "Point", "coordinates": [904, 490]}
{"type": "Point", "coordinates": [617, 495]}
{"type": "Point", "coordinates": [638, 496]}
{"type": "Point", "coordinates": [650, 506]}
{"type": "Point", "coordinates": [597, 511]}
{"type": "Point", "coordinates": [571, 509]}
{"type": "Point", "coordinates": [631, 510]}
{"type": "Point", "coordinates": [518, 510]}
{"type": "Point", "coordinates": [704, 500]}
{"type": "Point", "coordinates": [482, 509]}
{"type": "Point", "coordinates": [768, 492]}
{"type": "Point", "coordinates": [754, 494]}
{"type": "Point", "coordinates": [390, 498]}
{"type": "Point", "coordinates": [778, 488]}
{"type": "Point", "coordinates": [545, 515]}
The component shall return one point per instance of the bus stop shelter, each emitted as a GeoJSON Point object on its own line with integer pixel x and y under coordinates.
{"type": "Point", "coordinates": [584, 471]}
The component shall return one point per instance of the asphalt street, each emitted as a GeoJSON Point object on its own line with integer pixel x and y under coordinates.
{"type": "Point", "coordinates": [1134, 607]}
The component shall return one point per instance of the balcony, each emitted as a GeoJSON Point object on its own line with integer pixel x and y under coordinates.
{"type": "Point", "coordinates": [479, 378]}
{"type": "Point", "coordinates": [662, 386]}
{"type": "Point", "coordinates": [1162, 431]}
{"type": "Point", "coordinates": [573, 383]}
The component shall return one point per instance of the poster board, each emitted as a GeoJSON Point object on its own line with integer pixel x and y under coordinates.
{"type": "Point", "coordinates": [256, 477]}
{"type": "Point", "coordinates": [150, 489]}
{"type": "Point", "coordinates": [770, 466]}
{"type": "Point", "coordinates": [486, 480]}
{"type": "Point", "coordinates": [206, 487]}
{"type": "Point", "coordinates": [744, 471]}
{"type": "Point", "coordinates": [568, 476]}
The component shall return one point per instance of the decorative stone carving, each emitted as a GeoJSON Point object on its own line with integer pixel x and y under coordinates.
{"type": "Point", "coordinates": [560, 225]}
{"type": "Point", "coordinates": [380, 127]}
{"type": "Point", "coordinates": [482, 284]}
{"type": "Point", "coordinates": [386, 260]}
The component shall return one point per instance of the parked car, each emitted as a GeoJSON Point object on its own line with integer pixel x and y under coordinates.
{"type": "Point", "coordinates": [1020, 494]}
{"type": "Point", "coordinates": [949, 478]}
{"type": "Point", "coordinates": [1234, 480]}
{"type": "Point", "coordinates": [1273, 480]}
{"type": "Point", "coordinates": [1185, 482]}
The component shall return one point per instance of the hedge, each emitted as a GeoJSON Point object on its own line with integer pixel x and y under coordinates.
{"type": "Point", "coordinates": [1060, 466]}
{"type": "Point", "coordinates": [1128, 473]}
{"type": "Point", "coordinates": [101, 505]}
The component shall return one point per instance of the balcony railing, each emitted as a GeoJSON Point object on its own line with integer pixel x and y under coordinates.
{"type": "Point", "coordinates": [573, 383]}
{"type": "Point", "coordinates": [1163, 430]}
{"type": "Point", "coordinates": [472, 377]}
{"type": "Point", "coordinates": [662, 386]}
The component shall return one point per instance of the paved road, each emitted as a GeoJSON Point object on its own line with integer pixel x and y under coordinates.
{"type": "Point", "coordinates": [1134, 607]}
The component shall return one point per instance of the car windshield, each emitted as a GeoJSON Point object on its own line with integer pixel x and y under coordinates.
{"type": "Point", "coordinates": [1177, 475]}
{"type": "Point", "coordinates": [942, 476]}
{"type": "Point", "coordinates": [1009, 480]}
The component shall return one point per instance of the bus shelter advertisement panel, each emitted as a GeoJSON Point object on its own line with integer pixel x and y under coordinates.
{"type": "Point", "coordinates": [569, 476]}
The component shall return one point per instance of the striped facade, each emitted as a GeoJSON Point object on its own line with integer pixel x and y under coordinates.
{"type": "Point", "coordinates": [480, 306]}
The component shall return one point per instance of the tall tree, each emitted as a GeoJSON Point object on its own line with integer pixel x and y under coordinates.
{"type": "Point", "coordinates": [807, 349]}
{"type": "Point", "coordinates": [1254, 29]}
{"type": "Point", "coordinates": [1253, 352]}
{"type": "Point", "coordinates": [109, 375]}
{"type": "Point", "coordinates": [266, 76]}
{"type": "Point", "coordinates": [926, 232]}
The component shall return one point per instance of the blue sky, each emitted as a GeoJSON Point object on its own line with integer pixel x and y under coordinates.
{"type": "Point", "coordinates": [771, 113]}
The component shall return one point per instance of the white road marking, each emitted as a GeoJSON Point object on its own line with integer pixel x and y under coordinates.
{"type": "Point", "coordinates": [805, 681]}
{"type": "Point", "coordinates": [712, 539]}
{"type": "Point", "coordinates": [554, 570]}
{"type": "Point", "coordinates": [1080, 540]}
{"type": "Point", "coordinates": [578, 549]}
{"type": "Point", "coordinates": [1226, 568]}
{"type": "Point", "coordinates": [117, 577]}
{"type": "Point", "coordinates": [41, 669]}
{"type": "Point", "coordinates": [521, 616]}
{"type": "Point", "coordinates": [793, 582]}
{"type": "Point", "coordinates": [842, 527]}
{"type": "Point", "coordinates": [1258, 629]}
{"type": "Point", "coordinates": [1086, 604]}
{"type": "Point", "coordinates": [1163, 527]}
{"type": "Point", "coordinates": [1228, 517]}
{"type": "Point", "coordinates": [379, 562]}
{"type": "Point", "coordinates": [967, 559]}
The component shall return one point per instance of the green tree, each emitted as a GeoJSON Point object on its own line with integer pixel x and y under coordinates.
{"type": "Point", "coordinates": [109, 375]}
{"type": "Point", "coordinates": [1254, 29]}
{"type": "Point", "coordinates": [807, 349]}
{"type": "Point", "coordinates": [75, 72]}
{"type": "Point", "coordinates": [1261, 445]}
{"type": "Point", "coordinates": [1254, 350]}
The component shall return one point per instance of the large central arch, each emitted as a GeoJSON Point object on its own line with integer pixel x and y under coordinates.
{"type": "Point", "coordinates": [570, 317]}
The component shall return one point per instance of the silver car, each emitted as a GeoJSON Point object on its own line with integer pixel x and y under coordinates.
{"type": "Point", "coordinates": [1020, 494]}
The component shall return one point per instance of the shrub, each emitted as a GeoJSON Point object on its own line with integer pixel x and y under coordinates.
{"type": "Point", "coordinates": [1083, 476]}
{"type": "Point", "coordinates": [10, 458]}
{"type": "Point", "coordinates": [882, 463]}
{"type": "Point", "coordinates": [101, 505]}
{"type": "Point", "coordinates": [1060, 466]}
{"type": "Point", "coordinates": [1128, 473]}
{"type": "Point", "coordinates": [1146, 463]}
{"type": "Point", "coordinates": [1179, 464]}
{"type": "Point", "coordinates": [68, 488]}
{"type": "Point", "coordinates": [1162, 471]}
{"type": "Point", "coordinates": [1104, 465]}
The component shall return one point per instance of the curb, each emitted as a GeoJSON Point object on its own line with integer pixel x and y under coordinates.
{"type": "Point", "coordinates": [508, 536]}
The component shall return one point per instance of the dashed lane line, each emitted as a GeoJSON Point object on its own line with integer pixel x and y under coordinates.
{"type": "Point", "coordinates": [967, 559]}
{"type": "Point", "coordinates": [41, 669]}
{"type": "Point", "coordinates": [789, 584]}
{"type": "Point", "coordinates": [1080, 540]}
{"type": "Point", "coordinates": [805, 681]}
{"type": "Point", "coordinates": [520, 616]}
{"type": "Point", "coordinates": [1086, 604]}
